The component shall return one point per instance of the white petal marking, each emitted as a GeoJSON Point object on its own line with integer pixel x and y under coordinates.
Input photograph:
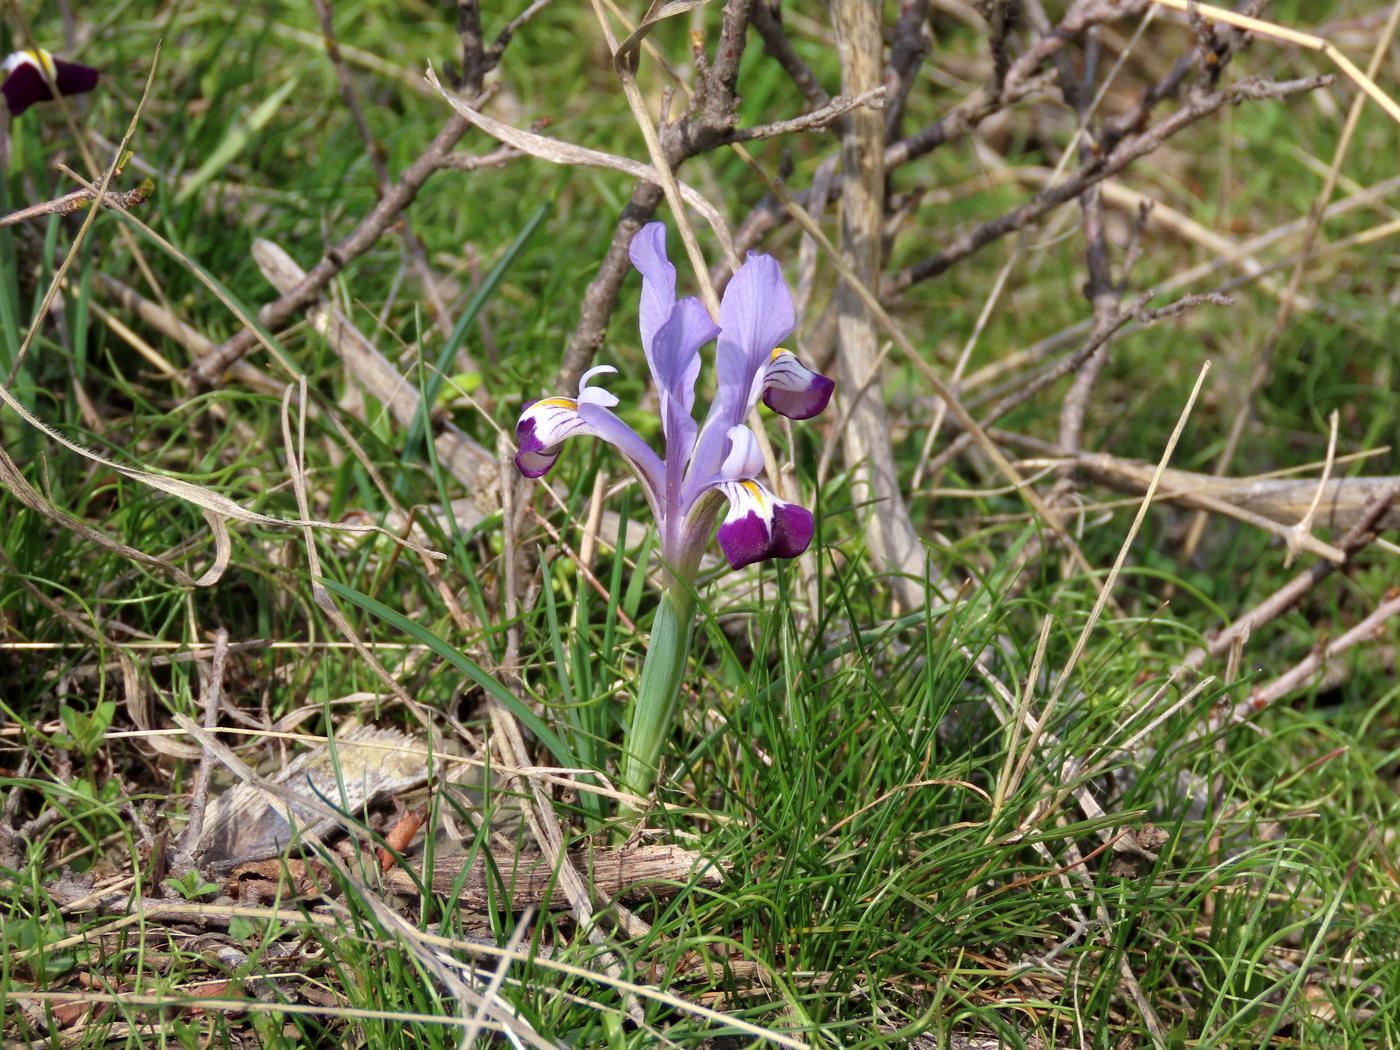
{"type": "Point", "coordinates": [744, 459]}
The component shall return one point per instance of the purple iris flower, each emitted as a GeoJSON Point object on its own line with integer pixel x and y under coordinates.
{"type": "Point", "coordinates": [33, 76]}
{"type": "Point", "coordinates": [718, 461]}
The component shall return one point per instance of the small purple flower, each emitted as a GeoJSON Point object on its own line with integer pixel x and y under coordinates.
{"type": "Point", "coordinates": [718, 461]}
{"type": "Point", "coordinates": [34, 76]}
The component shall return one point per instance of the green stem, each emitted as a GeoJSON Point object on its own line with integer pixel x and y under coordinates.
{"type": "Point", "coordinates": [655, 707]}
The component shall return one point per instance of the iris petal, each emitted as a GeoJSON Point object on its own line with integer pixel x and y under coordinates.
{"type": "Point", "coordinates": [545, 425]}
{"type": "Point", "coordinates": [759, 526]}
{"type": "Point", "coordinates": [755, 315]}
{"type": "Point", "coordinates": [32, 76]}
{"type": "Point", "coordinates": [744, 460]}
{"type": "Point", "coordinates": [792, 389]}
{"type": "Point", "coordinates": [648, 254]}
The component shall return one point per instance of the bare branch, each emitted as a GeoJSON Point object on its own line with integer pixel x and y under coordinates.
{"type": "Point", "coordinates": [1099, 341]}
{"type": "Point", "coordinates": [708, 119]}
{"type": "Point", "coordinates": [1362, 532]}
{"type": "Point", "coordinates": [768, 21]}
{"type": "Point", "coordinates": [1299, 675]}
{"type": "Point", "coordinates": [909, 46]}
{"type": "Point", "coordinates": [820, 118]}
{"type": "Point", "coordinates": [475, 65]}
{"type": "Point", "coordinates": [284, 308]}
{"type": "Point", "coordinates": [476, 161]}
{"type": "Point", "coordinates": [1124, 154]}
{"type": "Point", "coordinates": [79, 199]}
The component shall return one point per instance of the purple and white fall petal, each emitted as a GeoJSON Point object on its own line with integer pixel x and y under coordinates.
{"type": "Point", "coordinates": [792, 389]}
{"type": "Point", "coordinates": [33, 76]}
{"type": "Point", "coordinates": [546, 424]}
{"type": "Point", "coordinates": [760, 526]}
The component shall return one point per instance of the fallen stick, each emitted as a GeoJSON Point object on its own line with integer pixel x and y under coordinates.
{"type": "Point", "coordinates": [625, 872]}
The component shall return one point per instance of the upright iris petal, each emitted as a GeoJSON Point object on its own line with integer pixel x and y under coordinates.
{"type": "Point", "coordinates": [672, 334]}
{"type": "Point", "coordinates": [33, 76]}
{"type": "Point", "coordinates": [756, 315]}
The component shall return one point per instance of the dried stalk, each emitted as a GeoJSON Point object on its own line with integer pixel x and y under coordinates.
{"type": "Point", "coordinates": [890, 533]}
{"type": "Point", "coordinates": [79, 199]}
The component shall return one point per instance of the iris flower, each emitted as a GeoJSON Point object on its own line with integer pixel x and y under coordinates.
{"type": "Point", "coordinates": [35, 75]}
{"type": "Point", "coordinates": [705, 465]}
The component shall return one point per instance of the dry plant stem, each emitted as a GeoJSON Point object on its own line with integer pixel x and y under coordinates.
{"type": "Point", "coordinates": [510, 741]}
{"type": "Point", "coordinates": [218, 509]}
{"type": "Point", "coordinates": [176, 330]}
{"type": "Point", "coordinates": [1263, 358]}
{"type": "Point", "coordinates": [558, 152]}
{"type": "Point", "coordinates": [1298, 676]}
{"type": "Point", "coordinates": [1118, 562]}
{"type": "Point", "coordinates": [1022, 79]}
{"type": "Point", "coordinates": [890, 533]}
{"type": "Point", "coordinates": [1300, 533]}
{"type": "Point", "coordinates": [1281, 501]}
{"type": "Point", "coordinates": [80, 140]}
{"type": "Point", "coordinates": [462, 457]}
{"type": "Point", "coordinates": [213, 1005]}
{"type": "Point", "coordinates": [910, 43]}
{"type": "Point", "coordinates": [816, 119]}
{"type": "Point", "coordinates": [71, 202]}
{"type": "Point", "coordinates": [1006, 783]}
{"type": "Point", "coordinates": [1102, 465]}
{"type": "Point", "coordinates": [614, 871]}
{"type": "Point", "coordinates": [493, 987]}
{"type": "Point", "coordinates": [296, 467]}
{"type": "Point", "coordinates": [199, 796]}
{"type": "Point", "coordinates": [1268, 501]}
{"type": "Point", "coordinates": [475, 162]}
{"type": "Point", "coordinates": [549, 836]}
{"type": "Point", "coordinates": [708, 117]}
{"type": "Point", "coordinates": [1125, 153]}
{"type": "Point", "coordinates": [1286, 35]}
{"type": "Point", "coordinates": [99, 197]}
{"type": "Point", "coordinates": [766, 19]}
{"type": "Point", "coordinates": [1230, 255]}
{"type": "Point", "coordinates": [940, 413]}
{"type": "Point", "coordinates": [732, 33]}
{"type": "Point", "coordinates": [145, 911]}
{"type": "Point", "coordinates": [15, 482]}
{"type": "Point", "coordinates": [1004, 705]}
{"type": "Point", "coordinates": [1047, 376]}
{"type": "Point", "coordinates": [1296, 589]}
{"type": "Point", "coordinates": [1102, 293]}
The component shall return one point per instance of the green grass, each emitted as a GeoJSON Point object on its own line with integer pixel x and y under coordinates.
{"type": "Point", "coordinates": [891, 878]}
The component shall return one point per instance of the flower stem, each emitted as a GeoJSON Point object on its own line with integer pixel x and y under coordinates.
{"type": "Point", "coordinates": [655, 707]}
